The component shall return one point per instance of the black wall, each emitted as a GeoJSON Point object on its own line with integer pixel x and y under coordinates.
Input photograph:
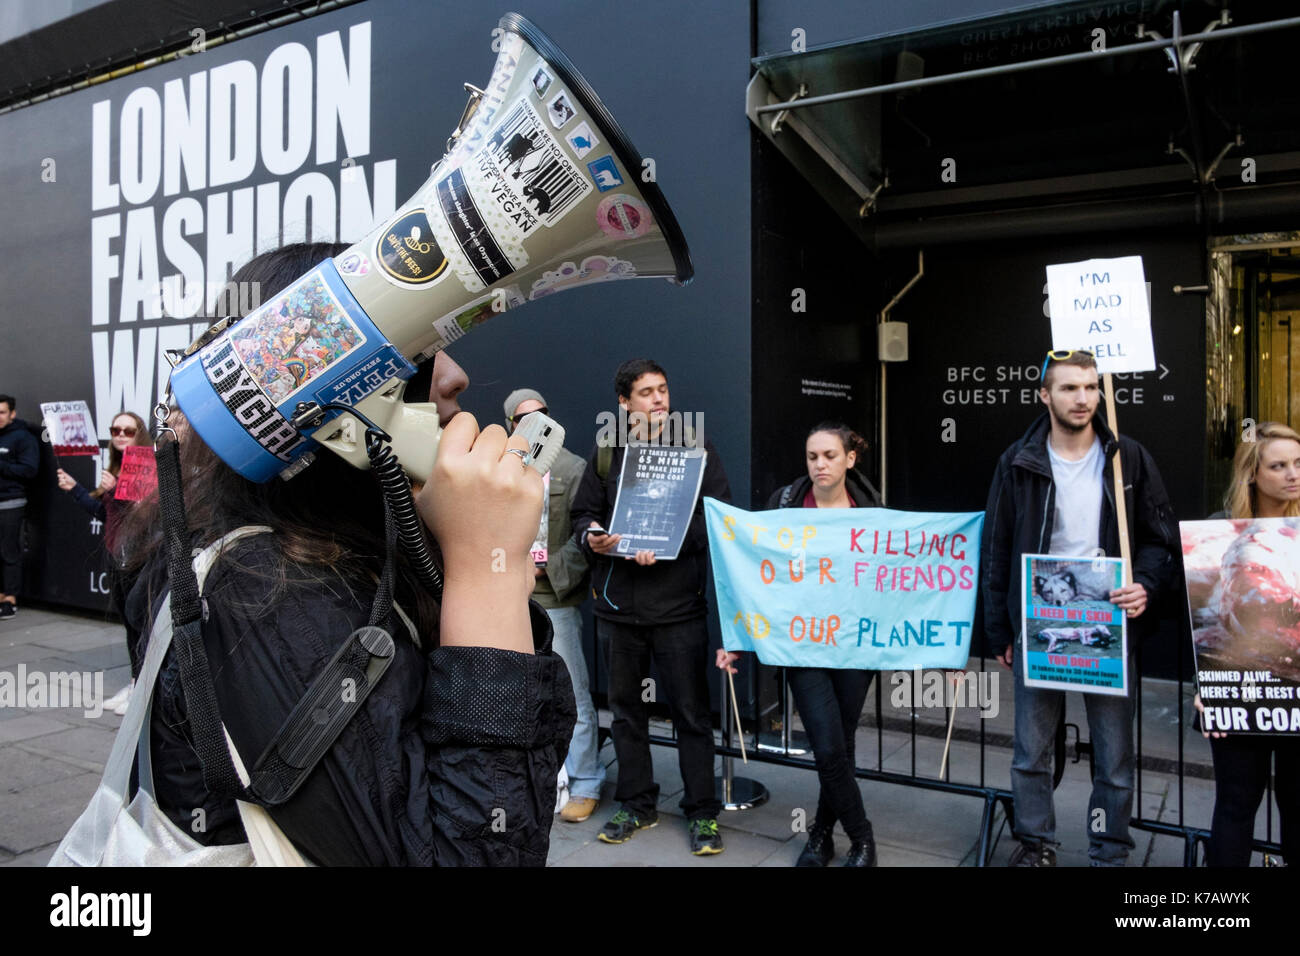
{"type": "Point", "coordinates": [673, 81]}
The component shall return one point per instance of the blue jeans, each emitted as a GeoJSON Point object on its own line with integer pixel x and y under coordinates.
{"type": "Point", "coordinates": [1110, 728]}
{"type": "Point", "coordinates": [586, 772]}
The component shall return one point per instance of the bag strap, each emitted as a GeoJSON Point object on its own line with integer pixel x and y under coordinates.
{"type": "Point", "coordinates": [202, 713]}
{"type": "Point", "coordinates": [133, 734]}
{"type": "Point", "coordinates": [269, 844]}
{"type": "Point", "coordinates": [604, 458]}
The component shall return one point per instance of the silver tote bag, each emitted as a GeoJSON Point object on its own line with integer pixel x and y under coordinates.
{"type": "Point", "coordinates": [114, 832]}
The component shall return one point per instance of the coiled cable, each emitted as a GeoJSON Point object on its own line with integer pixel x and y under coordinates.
{"type": "Point", "coordinates": [401, 505]}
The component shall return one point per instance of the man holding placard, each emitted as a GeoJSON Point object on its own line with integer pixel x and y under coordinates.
{"type": "Point", "coordinates": [1053, 494]}
{"type": "Point", "coordinates": [648, 605]}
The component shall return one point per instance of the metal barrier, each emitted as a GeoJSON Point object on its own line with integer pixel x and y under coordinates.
{"type": "Point", "coordinates": [990, 796]}
{"type": "Point", "coordinates": [1194, 838]}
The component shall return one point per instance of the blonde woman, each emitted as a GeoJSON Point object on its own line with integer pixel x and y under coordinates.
{"type": "Point", "coordinates": [1265, 484]}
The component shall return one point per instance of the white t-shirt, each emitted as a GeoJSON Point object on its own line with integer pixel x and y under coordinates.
{"type": "Point", "coordinates": [1078, 502]}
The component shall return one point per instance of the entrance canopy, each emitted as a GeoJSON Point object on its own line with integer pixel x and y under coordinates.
{"type": "Point", "coordinates": [1061, 117]}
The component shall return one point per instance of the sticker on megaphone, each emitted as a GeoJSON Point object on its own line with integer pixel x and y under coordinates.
{"type": "Point", "coordinates": [520, 207]}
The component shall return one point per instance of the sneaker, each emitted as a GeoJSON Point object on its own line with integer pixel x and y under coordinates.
{"type": "Point", "coordinates": [7, 610]}
{"type": "Point", "coordinates": [1033, 854]}
{"type": "Point", "coordinates": [705, 838]}
{"type": "Point", "coordinates": [623, 824]}
{"type": "Point", "coordinates": [578, 809]}
{"type": "Point", "coordinates": [120, 698]}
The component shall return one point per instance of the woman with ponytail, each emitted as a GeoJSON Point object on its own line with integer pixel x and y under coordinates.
{"type": "Point", "coordinates": [829, 699]}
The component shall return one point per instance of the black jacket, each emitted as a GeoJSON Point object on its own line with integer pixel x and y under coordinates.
{"type": "Point", "coordinates": [1018, 520]}
{"type": "Point", "coordinates": [451, 760]}
{"type": "Point", "coordinates": [862, 492]}
{"type": "Point", "coordinates": [20, 459]}
{"type": "Point", "coordinates": [661, 593]}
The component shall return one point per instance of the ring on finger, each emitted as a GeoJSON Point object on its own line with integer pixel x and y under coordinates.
{"type": "Point", "coordinates": [523, 455]}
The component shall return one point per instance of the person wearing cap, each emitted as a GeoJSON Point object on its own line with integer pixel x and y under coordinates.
{"type": "Point", "coordinates": [560, 588]}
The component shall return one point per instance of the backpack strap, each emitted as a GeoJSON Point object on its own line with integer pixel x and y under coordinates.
{"type": "Point", "coordinates": [786, 494]}
{"type": "Point", "coordinates": [330, 702]}
{"type": "Point", "coordinates": [604, 459]}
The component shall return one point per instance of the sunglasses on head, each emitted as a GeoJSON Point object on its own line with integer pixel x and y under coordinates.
{"type": "Point", "coordinates": [516, 419]}
{"type": "Point", "coordinates": [128, 431]}
{"type": "Point", "coordinates": [1059, 355]}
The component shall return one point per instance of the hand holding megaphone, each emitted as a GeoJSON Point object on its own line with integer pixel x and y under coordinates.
{"type": "Point", "coordinates": [482, 504]}
{"type": "Point", "coordinates": [539, 192]}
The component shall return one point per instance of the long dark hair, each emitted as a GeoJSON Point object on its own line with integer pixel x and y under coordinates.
{"type": "Point", "coordinates": [328, 520]}
{"type": "Point", "coordinates": [142, 437]}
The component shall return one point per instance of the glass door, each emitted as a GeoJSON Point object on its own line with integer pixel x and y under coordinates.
{"type": "Point", "coordinates": [1252, 357]}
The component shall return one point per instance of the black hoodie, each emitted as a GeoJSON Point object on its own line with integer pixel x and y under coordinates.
{"type": "Point", "coordinates": [1018, 520]}
{"type": "Point", "coordinates": [20, 459]}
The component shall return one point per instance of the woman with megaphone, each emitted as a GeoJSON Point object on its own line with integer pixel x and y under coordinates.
{"type": "Point", "coordinates": [830, 700]}
{"type": "Point", "coordinates": [453, 755]}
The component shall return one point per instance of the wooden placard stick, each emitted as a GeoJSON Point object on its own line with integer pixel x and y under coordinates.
{"type": "Point", "coordinates": [1121, 506]}
{"type": "Point", "coordinates": [952, 717]}
{"type": "Point", "coordinates": [735, 709]}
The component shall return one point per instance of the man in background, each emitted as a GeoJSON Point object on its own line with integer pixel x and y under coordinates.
{"type": "Point", "coordinates": [560, 588]}
{"type": "Point", "coordinates": [20, 458]}
{"type": "Point", "coordinates": [648, 608]}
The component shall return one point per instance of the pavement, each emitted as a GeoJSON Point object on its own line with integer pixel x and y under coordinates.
{"type": "Point", "coordinates": [51, 759]}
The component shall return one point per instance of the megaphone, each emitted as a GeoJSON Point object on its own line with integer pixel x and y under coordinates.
{"type": "Point", "coordinates": [539, 191]}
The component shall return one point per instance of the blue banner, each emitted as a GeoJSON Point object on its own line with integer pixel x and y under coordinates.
{"type": "Point", "coordinates": [865, 588]}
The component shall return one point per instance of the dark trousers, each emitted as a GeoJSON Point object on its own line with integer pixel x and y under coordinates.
{"type": "Point", "coordinates": [1241, 768]}
{"type": "Point", "coordinates": [830, 702]}
{"type": "Point", "coordinates": [11, 550]}
{"type": "Point", "coordinates": [119, 586]}
{"type": "Point", "coordinates": [680, 653]}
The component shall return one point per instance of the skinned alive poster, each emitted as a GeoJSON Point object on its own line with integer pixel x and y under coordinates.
{"type": "Point", "coordinates": [658, 488]}
{"type": "Point", "coordinates": [1071, 636]}
{"type": "Point", "coordinates": [1243, 597]}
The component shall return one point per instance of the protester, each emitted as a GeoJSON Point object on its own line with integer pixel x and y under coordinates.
{"type": "Point", "coordinates": [1053, 493]}
{"type": "Point", "coordinates": [20, 459]}
{"type": "Point", "coordinates": [560, 588]}
{"type": "Point", "coordinates": [648, 608]}
{"type": "Point", "coordinates": [127, 429]}
{"type": "Point", "coordinates": [453, 756]}
{"type": "Point", "coordinates": [1265, 484]}
{"type": "Point", "coordinates": [830, 699]}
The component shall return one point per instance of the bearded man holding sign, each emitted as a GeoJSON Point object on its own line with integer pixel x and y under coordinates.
{"type": "Point", "coordinates": [1053, 494]}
